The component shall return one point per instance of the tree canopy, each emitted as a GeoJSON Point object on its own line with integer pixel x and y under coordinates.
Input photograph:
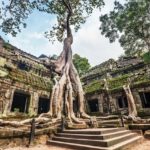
{"type": "Point", "coordinates": [81, 63]}
{"type": "Point", "coordinates": [13, 14]}
{"type": "Point", "coordinates": [130, 23]}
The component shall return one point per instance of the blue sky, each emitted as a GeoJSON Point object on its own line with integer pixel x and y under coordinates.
{"type": "Point", "coordinates": [88, 42]}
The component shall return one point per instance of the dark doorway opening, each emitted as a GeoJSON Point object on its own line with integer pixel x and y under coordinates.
{"type": "Point", "coordinates": [44, 105]}
{"type": "Point", "coordinates": [122, 102]}
{"type": "Point", "coordinates": [145, 99]}
{"type": "Point", "coordinates": [93, 105]}
{"type": "Point", "coordinates": [20, 102]}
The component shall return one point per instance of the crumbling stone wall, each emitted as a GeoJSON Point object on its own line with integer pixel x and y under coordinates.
{"type": "Point", "coordinates": [126, 69]}
{"type": "Point", "coordinates": [22, 72]}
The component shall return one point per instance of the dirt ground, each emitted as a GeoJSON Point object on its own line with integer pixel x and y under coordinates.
{"type": "Point", "coordinates": [38, 147]}
{"type": "Point", "coordinates": [145, 145]}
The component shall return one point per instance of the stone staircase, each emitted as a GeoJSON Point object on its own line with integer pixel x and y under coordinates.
{"type": "Point", "coordinates": [95, 139]}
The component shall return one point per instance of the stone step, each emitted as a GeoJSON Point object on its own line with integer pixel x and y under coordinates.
{"type": "Point", "coordinates": [94, 131]}
{"type": "Point", "coordinates": [91, 136]}
{"type": "Point", "coordinates": [102, 143]}
{"type": "Point", "coordinates": [109, 121]}
{"type": "Point", "coordinates": [107, 117]}
{"type": "Point", "coordinates": [125, 144]}
{"type": "Point", "coordinates": [75, 146]}
{"type": "Point", "coordinates": [108, 125]}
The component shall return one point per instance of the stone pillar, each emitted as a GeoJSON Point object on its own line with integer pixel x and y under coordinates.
{"type": "Point", "coordinates": [11, 100]}
{"type": "Point", "coordinates": [111, 104]}
{"type": "Point", "coordinates": [100, 103]}
{"type": "Point", "coordinates": [33, 106]}
{"type": "Point", "coordinates": [8, 101]}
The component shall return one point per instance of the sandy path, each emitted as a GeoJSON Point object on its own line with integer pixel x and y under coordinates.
{"type": "Point", "coordinates": [145, 145]}
{"type": "Point", "coordinates": [38, 147]}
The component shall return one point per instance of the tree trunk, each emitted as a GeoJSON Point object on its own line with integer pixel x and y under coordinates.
{"type": "Point", "coordinates": [131, 103]}
{"type": "Point", "coordinates": [69, 84]}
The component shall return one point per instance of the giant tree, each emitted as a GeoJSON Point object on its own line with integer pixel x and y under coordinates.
{"type": "Point", "coordinates": [130, 23]}
{"type": "Point", "coordinates": [68, 13]}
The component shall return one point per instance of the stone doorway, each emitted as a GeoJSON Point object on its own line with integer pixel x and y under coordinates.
{"type": "Point", "coordinates": [20, 102]}
{"type": "Point", "coordinates": [122, 102]}
{"type": "Point", "coordinates": [44, 105]}
{"type": "Point", "coordinates": [93, 105]}
{"type": "Point", "coordinates": [145, 99]}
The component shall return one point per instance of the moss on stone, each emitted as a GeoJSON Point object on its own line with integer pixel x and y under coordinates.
{"type": "Point", "coordinates": [117, 83]}
{"type": "Point", "coordinates": [30, 79]}
{"type": "Point", "coordinates": [146, 57]}
{"type": "Point", "coordinates": [94, 86]}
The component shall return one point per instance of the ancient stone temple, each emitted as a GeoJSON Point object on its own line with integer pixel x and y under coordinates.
{"type": "Point", "coordinates": [104, 84]}
{"type": "Point", "coordinates": [26, 89]}
{"type": "Point", "coordinates": [25, 83]}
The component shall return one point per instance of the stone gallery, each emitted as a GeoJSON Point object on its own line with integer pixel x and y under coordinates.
{"type": "Point", "coordinates": [104, 86]}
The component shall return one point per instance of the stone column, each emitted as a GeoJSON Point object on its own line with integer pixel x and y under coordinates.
{"type": "Point", "coordinates": [33, 106]}
{"type": "Point", "coordinates": [100, 103]}
{"type": "Point", "coordinates": [11, 100]}
{"type": "Point", "coordinates": [8, 101]}
{"type": "Point", "coordinates": [111, 103]}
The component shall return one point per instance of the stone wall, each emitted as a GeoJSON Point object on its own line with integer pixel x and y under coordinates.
{"type": "Point", "coordinates": [109, 88]}
{"type": "Point", "coordinates": [23, 73]}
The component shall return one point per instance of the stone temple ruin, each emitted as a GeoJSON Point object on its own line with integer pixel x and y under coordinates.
{"type": "Point", "coordinates": [103, 86]}
{"type": "Point", "coordinates": [26, 84]}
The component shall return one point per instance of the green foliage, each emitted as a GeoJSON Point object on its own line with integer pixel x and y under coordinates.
{"type": "Point", "coordinates": [13, 14]}
{"type": "Point", "coordinates": [118, 82]}
{"type": "Point", "coordinates": [130, 22]}
{"type": "Point", "coordinates": [82, 65]}
{"type": "Point", "coordinates": [146, 57]}
{"type": "Point", "coordinates": [54, 57]}
{"type": "Point", "coordinates": [94, 86]}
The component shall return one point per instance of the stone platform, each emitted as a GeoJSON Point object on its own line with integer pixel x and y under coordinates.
{"type": "Point", "coordinates": [95, 139]}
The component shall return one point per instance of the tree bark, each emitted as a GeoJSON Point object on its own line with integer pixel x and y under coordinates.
{"type": "Point", "coordinates": [131, 103]}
